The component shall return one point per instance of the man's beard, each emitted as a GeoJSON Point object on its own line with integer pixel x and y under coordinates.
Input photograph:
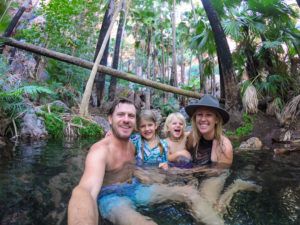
{"type": "Point", "coordinates": [117, 134]}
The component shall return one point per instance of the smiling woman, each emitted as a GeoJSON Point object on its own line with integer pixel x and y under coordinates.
{"type": "Point", "coordinates": [206, 142]}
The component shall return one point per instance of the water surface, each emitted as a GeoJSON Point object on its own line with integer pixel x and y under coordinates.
{"type": "Point", "coordinates": [36, 180]}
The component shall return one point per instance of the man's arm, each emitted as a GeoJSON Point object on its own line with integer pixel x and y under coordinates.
{"type": "Point", "coordinates": [82, 207]}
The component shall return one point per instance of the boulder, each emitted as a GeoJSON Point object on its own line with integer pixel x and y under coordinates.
{"type": "Point", "coordinates": [61, 104]}
{"type": "Point", "coordinates": [33, 127]}
{"type": "Point", "coordinates": [102, 122]}
{"type": "Point", "coordinates": [252, 143]}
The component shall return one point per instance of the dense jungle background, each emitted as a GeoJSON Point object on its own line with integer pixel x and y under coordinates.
{"type": "Point", "coordinates": [244, 52]}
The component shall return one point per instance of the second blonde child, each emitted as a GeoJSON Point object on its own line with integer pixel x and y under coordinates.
{"type": "Point", "coordinates": [174, 130]}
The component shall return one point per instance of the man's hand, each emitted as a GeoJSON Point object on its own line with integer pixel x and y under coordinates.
{"type": "Point", "coordinates": [164, 166]}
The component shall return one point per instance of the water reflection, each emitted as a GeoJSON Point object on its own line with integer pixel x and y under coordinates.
{"type": "Point", "coordinates": [36, 181]}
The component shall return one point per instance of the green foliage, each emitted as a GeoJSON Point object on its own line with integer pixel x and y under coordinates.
{"type": "Point", "coordinates": [276, 85]}
{"type": "Point", "coordinates": [247, 126]}
{"type": "Point", "coordinates": [67, 74]}
{"type": "Point", "coordinates": [53, 109]}
{"type": "Point", "coordinates": [4, 17]}
{"type": "Point", "coordinates": [170, 107]}
{"type": "Point", "coordinates": [87, 128]}
{"type": "Point", "coordinates": [54, 124]}
{"type": "Point", "coordinates": [11, 102]}
{"type": "Point", "coordinates": [193, 85]}
{"type": "Point", "coordinates": [245, 129]}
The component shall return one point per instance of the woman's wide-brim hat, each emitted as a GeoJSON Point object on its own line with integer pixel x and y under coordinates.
{"type": "Point", "coordinates": [207, 101]}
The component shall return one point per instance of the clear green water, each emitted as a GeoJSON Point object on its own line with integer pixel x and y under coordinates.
{"type": "Point", "coordinates": [36, 182]}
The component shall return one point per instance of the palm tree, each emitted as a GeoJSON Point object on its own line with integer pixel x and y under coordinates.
{"type": "Point", "coordinates": [113, 80]}
{"type": "Point", "coordinates": [173, 80]}
{"type": "Point", "coordinates": [227, 73]}
{"type": "Point", "coordinates": [100, 77]}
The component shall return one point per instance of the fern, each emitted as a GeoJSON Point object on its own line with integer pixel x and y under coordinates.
{"type": "Point", "coordinates": [33, 90]}
{"type": "Point", "coordinates": [11, 102]}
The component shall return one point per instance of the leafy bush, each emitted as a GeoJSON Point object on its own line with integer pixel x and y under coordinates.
{"type": "Point", "coordinates": [87, 128]}
{"type": "Point", "coordinates": [245, 129]}
{"type": "Point", "coordinates": [54, 124]}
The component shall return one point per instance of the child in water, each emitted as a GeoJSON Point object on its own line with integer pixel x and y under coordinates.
{"type": "Point", "coordinates": [174, 129]}
{"type": "Point", "coordinates": [150, 149]}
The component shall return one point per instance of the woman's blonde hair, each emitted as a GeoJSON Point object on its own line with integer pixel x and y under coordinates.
{"type": "Point", "coordinates": [169, 119]}
{"type": "Point", "coordinates": [218, 128]}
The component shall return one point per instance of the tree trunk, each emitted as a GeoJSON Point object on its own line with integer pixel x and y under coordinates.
{"type": "Point", "coordinates": [182, 67]}
{"type": "Point", "coordinates": [190, 70]}
{"type": "Point", "coordinates": [267, 56]}
{"type": "Point", "coordinates": [89, 65]}
{"type": "Point", "coordinates": [230, 84]}
{"type": "Point", "coordinates": [251, 62]}
{"type": "Point", "coordinates": [100, 78]}
{"type": "Point", "coordinates": [148, 93]}
{"type": "Point", "coordinates": [222, 85]}
{"type": "Point", "coordinates": [173, 80]}
{"type": "Point", "coordinates": [202, 77]}
{"type": "Point", "coordinates": [88, 90]}
{"type": "Point", "coordinates": [155, 64]}
{"type": "Point", "coordinates": [113, 80]}
{"type": "Point", "coordinates": [298, 2]}
{"type": "Point", "coordinates": [163, 70]}
{"type": "Point", "coordinates": [13, 23]}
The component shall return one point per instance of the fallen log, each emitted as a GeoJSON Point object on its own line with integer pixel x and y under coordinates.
{"type": "Point", "coordinates": [89, 65]}
{"type": "Point", "coordinates": [279, 151]}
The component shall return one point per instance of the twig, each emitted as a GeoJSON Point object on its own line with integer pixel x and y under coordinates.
{"type": "Point", "coordinates": [15, 128]}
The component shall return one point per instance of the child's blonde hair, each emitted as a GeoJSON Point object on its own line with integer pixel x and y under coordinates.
{"type": "Point", "coordinates": [148, 115]}
{"type": "Point", "coordinates": [169, 119]}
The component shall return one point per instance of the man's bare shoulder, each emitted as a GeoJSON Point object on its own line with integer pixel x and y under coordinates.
{"type": "Point", "coordinates": [101, 147]}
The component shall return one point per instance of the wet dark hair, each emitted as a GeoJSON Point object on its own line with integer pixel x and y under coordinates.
{"type": "Point", "coordinates": [120, 101]}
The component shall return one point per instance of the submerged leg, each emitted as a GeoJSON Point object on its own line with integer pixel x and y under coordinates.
{"type": "Point", "coordinates": [121, 211]}
{"type": "Point", "coordinates": [238, 185]}
{"type": "Point", "coordinates": [200, 209]}
{"type": "Point", "coordinates": [211, 188]}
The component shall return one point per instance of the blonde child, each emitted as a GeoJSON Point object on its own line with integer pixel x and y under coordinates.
{"type": "Point", "coordinates": [150, 149]}
{"type": "Point", "coordinates": [174, 130]}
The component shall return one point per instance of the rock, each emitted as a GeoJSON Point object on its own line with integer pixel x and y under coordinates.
{"type": "Point", "coordinates": [33, 127]}
{"type": "Point", "coordinates": [183, 112]}
{"type": "Point", "coordinates": [253, 143]}
{"type": "Point", "coordinates": [59, 103]}
{"type": "Point", "coordinates": [102, 122]}
{"type": "Point", "coordinates": [2, 142]}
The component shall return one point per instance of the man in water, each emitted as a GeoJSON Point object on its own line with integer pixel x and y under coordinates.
{"type": "Point", "coordinates": [107, 158]}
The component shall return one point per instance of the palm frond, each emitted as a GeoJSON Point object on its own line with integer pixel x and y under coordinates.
{"type": "Point", "coordinates": [271, 44]}
{"type": "Point", "coordinates": [232, 28]}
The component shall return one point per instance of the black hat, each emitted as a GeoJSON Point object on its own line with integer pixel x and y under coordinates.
{"type": "Point", "coordinates": [208, 101]}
